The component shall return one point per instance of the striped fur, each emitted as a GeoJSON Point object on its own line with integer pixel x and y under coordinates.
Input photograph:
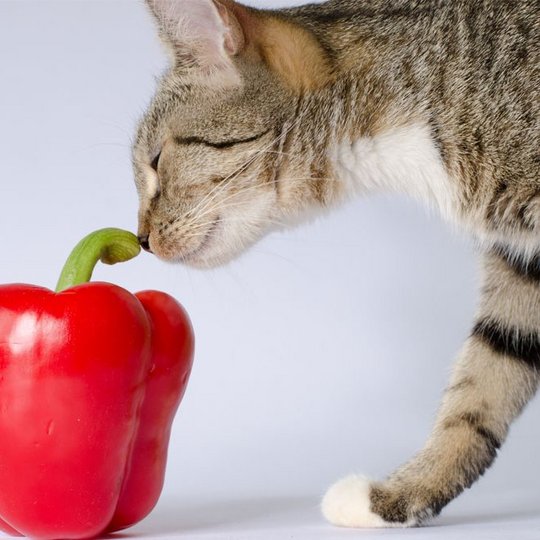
{"type": "Point", "coordinates": [495, 376]}
{"type": "Point", "coordinates": [266, 118]}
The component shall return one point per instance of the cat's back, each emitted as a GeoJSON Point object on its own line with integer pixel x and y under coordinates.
{"type": "Point", "coordinates": [488, 47]}
{"type": "Point", "coordinates": [493, 37]}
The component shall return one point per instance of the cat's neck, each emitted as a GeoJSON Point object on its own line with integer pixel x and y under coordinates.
{"type": "Point", "coordinates": [359, 142]}
{"type": "Point", "coordinates": [403, 159]}
{"type": "Point", "coordinates": [376, 122]}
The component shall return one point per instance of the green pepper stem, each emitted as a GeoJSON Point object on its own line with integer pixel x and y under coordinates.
{"type": "Point", "coordinates": [110, 246]}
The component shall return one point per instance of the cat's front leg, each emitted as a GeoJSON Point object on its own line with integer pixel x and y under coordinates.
{"type": "Point", "coordinates": [495, 376]}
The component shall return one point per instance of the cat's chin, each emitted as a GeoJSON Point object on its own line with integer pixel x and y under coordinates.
{"type": "Point", "coordinates": [205, 263]}
{"type": "Point", "coordinates": [213, 251]}
{"type": "Point", "coordinates": [205, 257]}
{"type": "Point", "coordinates": [207, 260]}
{"type": "Point", "coordinates": [199, 263]}
{"type": "Point", "coordinates": [210, 257]}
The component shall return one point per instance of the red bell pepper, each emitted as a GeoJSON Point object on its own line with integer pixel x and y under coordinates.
{"type": "Point", "coordinates": [90, 380]}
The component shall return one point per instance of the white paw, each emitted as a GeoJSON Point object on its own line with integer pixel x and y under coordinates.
{"type": "Point", "coordinates": [347, 504]}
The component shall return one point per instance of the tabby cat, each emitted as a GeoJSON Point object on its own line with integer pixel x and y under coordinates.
{"type": "Point", "coordinates": [266, 117]}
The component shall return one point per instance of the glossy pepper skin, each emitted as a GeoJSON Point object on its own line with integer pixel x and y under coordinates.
{"type": "Point", "coordinates": [90, 380]}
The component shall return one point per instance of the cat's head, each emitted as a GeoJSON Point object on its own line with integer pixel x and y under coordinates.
{"type": "Point", "coordinates": [223, 152]}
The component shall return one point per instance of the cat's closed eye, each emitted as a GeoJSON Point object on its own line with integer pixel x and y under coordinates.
{"type": "Point", "coordinates": [219, 144]}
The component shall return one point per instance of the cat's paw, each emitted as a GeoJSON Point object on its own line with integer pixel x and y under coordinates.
{"type": "Point", "coordinates": [347, 504]}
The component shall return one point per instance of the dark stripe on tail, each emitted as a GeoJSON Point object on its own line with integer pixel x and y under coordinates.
{"type": "Point", "coordinates": [524, 346]}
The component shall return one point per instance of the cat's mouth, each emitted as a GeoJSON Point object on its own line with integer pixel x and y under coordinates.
{"type": "Point", "coordinates": [196, 256]}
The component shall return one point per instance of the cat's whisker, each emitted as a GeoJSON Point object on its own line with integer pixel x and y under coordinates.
{"type": "Point", "coordinates": [209, 209]}
{"type": "Point", "coordinates": [224, 184]}
{"type": "Point", "coordinates": [203, 211]}
{"type": "Point", "coordinates": [246, 164]}
{"type": "Point", "coordinates": [220, 187]}
{"type": "Point", "coordinates": [219, 203]}
{"type": "Point", "coordinates": [227, 180]}
{"type": "Point", "coordinates": [201, 228]}
{"type": "Point", "coordinates": [204, 226]}
{"type": "Point", "coordinates": [189, 235]}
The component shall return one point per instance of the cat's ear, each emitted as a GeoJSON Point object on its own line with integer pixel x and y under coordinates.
{"type": "Point", "coordinates": [202, 35]}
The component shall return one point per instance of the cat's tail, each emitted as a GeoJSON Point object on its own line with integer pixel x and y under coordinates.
{"type": "Point", "coordinates": [496, 374]}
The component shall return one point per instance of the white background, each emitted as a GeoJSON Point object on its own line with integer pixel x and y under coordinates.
{"type": "Point", "coordinates": [323, 351]}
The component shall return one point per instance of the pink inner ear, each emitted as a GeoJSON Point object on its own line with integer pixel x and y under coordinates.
{"type": "Point", "coordinates": [206, 30]}
{"type": "Point", "coordinates": [234, 35]}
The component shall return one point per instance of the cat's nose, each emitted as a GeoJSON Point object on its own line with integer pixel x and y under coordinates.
{"type": "Point", "coordinates": [145, 244]}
